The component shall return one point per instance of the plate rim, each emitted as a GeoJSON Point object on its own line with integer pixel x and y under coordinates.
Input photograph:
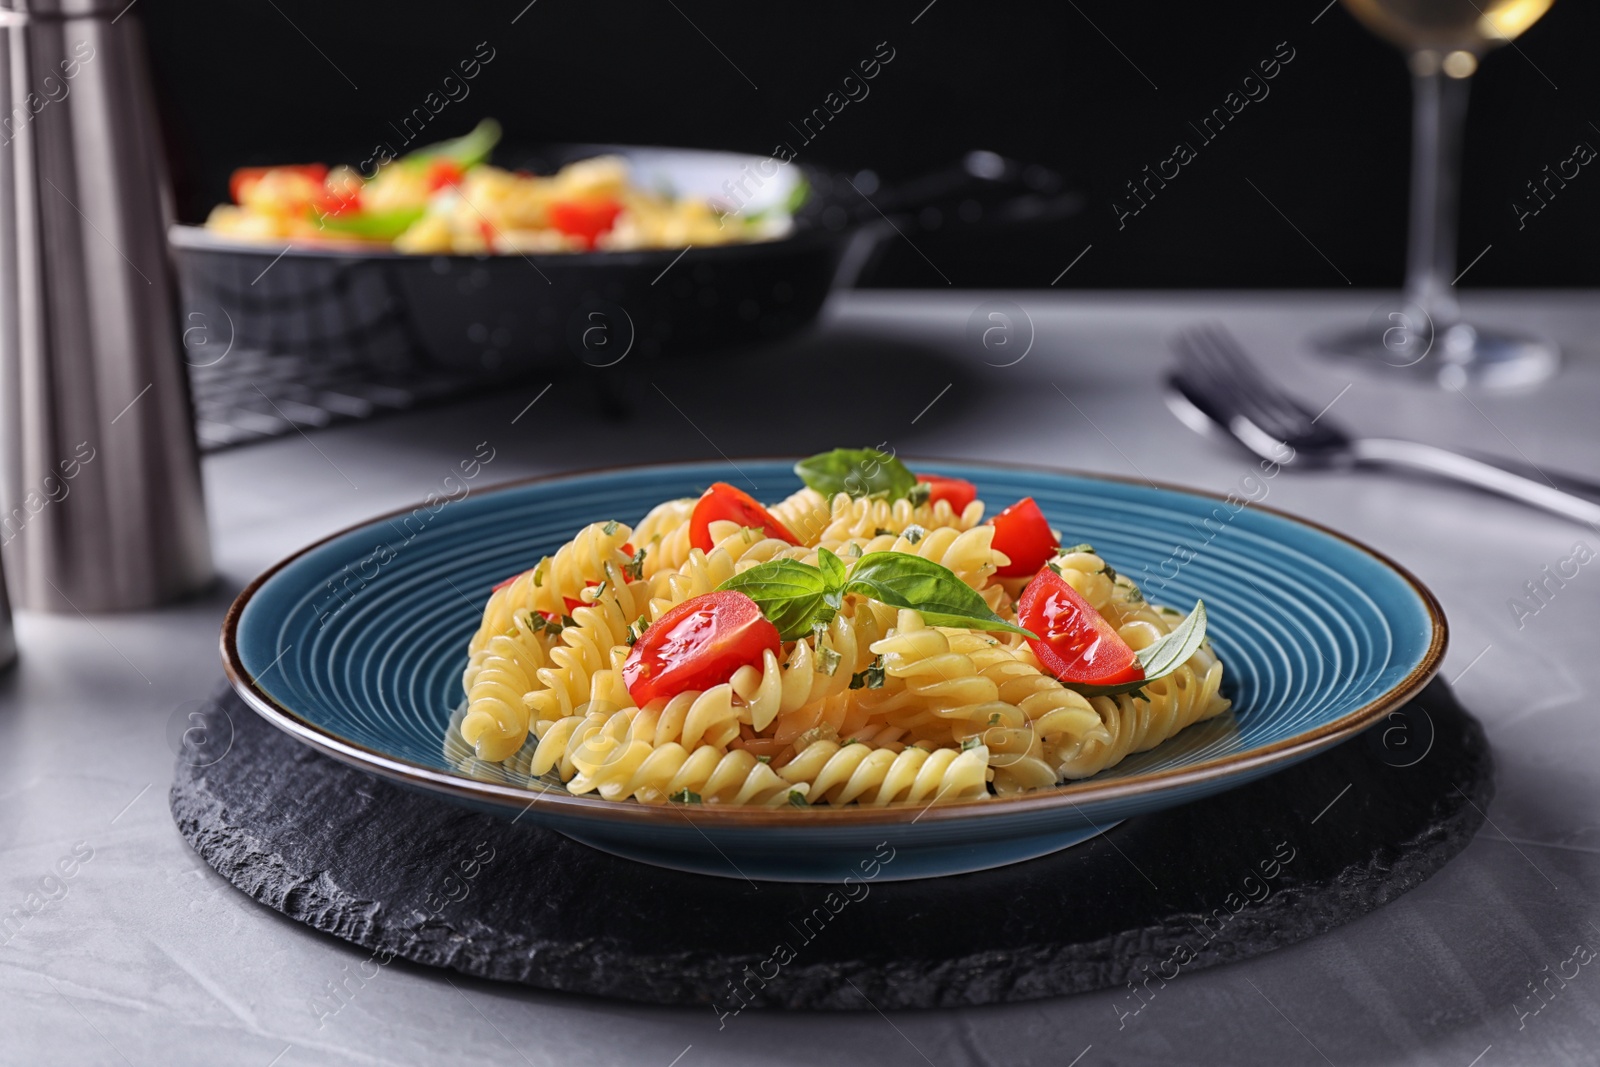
{"type": "Point", "coordinates": [1067, 795]}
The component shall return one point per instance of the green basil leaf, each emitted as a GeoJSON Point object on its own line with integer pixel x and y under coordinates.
{"type": "Point", "coordinates": [902, 580]}
{"type": "Point", "coordinates": [857, 471]}
{"type": "Point", "coordinates": [833, 576]}
{"type": "Point", "coordinates": [789, 593]}
{"type": "Point", "coordinates": [797, 195]}
{"type": "Point", "coordinates": [468, 150]}
{"type": "Point", "coordinates": [832, 567]}
{"type": "Point", "coordinates": [1161, 658]}
{"type": "Point", "coordinates": [1173, 651]}
{"type": "Point", "coordinates": [373, 225]}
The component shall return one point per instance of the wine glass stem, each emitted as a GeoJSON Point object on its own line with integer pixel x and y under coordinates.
{"type": "Point", "coordinates": [1439, 112]}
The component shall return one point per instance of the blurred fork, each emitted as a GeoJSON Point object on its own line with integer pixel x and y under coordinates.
{"type": "Point", "coordinates": [1217, 391]}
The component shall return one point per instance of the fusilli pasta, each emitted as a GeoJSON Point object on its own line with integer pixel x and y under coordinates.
{"type": "Point", "coordinates": [870, 705]}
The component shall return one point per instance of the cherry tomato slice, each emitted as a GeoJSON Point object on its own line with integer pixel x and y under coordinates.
{"type": "Point", "coordinates": [443, 172]}
{"type": "Point", "coordinates": [1022, 533]}
{"type": "Point", "coordinates": [243, 178]}
{"type": "Point", "coordinates": [584, 219]}
{"type": "Point", "coordinates": [957, 492]}
{"type": "Point", "coordinates": [1075, 643]}
{"type": "Point", "coordinates": [727, 502]}
{"type": "Point", "coordinates": [697, 645]}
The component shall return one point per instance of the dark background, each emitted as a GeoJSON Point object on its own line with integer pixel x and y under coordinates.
{"type": "Point", "coordinates": [264, 81]}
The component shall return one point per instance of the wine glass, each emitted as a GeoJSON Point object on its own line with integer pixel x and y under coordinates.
{"type": "Point", "coordinates": [1423, 331]}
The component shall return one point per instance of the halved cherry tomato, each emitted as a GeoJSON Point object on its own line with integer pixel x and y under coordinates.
{"type": "Point", "coordinates": [1022, 533]}
{"type": "Point", "coordinates": [697, 645]}
{"type": "Point", "coordinates": [442, 172]}
{"type": "Point", "coordinates": [242, 179]}
{"type": "Point", "coordinates": [957, 492]}
{"type": "Point", "coordinates": [1075, 643]}
{"type": "Point", "coordinates": [730, 503]}
{"type": "Point", "coordinates": [585, 219]}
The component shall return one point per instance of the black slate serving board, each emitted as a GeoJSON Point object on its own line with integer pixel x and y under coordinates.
{"type": "Point", "coordinates": [407, 875]}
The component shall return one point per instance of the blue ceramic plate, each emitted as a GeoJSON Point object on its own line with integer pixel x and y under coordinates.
{"type": "Point", "coordinates": [356, 644]}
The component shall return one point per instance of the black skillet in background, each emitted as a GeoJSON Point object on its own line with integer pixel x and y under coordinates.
{"type": "Point", "coordinates": [506, 314]}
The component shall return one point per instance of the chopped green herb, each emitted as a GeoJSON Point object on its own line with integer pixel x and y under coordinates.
{"type": "Point", "coordinates": [1132, 595]}
{"type": "Point", "coordinates": [610, 529]}
{"type": "Point", "coordinates": [538, 573]}
{"type": "Point", "coordinates": [1055, 568]}
{"type": "Point", "coordinates": [882, 532]}
{"type": "Point", "coordinates": [919, 494]}
{"type": "Point", "coordinates": [566, 620]}
{"type": "Point", "coordinates": [1085, 547]}
{"type": "Point", "coordinates": [797, 799]}
{"type": "Point", "coordinates": [1109, 571]}
{"type": "Point", "coordinates": [971, 743]}
{"type": "Point", "coordinates": [600, 590]}
{"type": "Point", "coordinates": [634, 568]}
{"type": "Point", "coordinates": [535, 622]}
{"type": "Point", "coordinates": [871, 678]}
{"type": "Point", "coordinates": [685, 796]}
{"type": "Point", "coordinates": [827, 660]}
{"type": "Point", "coordinates": [763, 759]}
{"type": "Point", "coordinates": [994, 720]}
{"type": "Point", "coordinates": [913, 533]}
{"type": "Point", "coordinates": [855, 549]}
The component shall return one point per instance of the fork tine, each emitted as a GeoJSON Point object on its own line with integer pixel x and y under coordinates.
{"type": "Point", "coordinates": [1231, 370]}
{"type": "Point", "coordinates": [1245, 370]}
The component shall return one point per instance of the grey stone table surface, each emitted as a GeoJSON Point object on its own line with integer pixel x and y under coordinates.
{"type": "Point", "coordinates": [119, 946]}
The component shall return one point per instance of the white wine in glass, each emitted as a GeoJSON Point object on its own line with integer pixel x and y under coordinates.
{"type": "Point", "coordinates": [1424, 331]}
{"type": "Point", "coordinates": [1448, 25]}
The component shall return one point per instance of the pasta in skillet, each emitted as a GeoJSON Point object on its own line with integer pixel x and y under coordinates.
{"type": "Point", "coordinates": [869, 640]}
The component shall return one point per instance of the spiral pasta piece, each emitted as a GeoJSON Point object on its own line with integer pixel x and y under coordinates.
{"type": "Point", "coordinates": [921, 655]}
{"type": "Point", "coordinates": [811, 672]}
{"type": "Point", "coordinates": [1059, 720]}
{"type": "Point", "coordinates": [585, 662]}
{"type": "Point", "coordinates": [559, 740]}
{"type": "Point", "coordinates": [496, 722]}
{"type": "Point", "coordinates": [1137, 724]}
{"type": "Point", "coordinates": [555, 579]}
{"type": "Point", "coordinates": [860, 773]}
{"type": "Point", "coordinates": [663, 534]}
{"type": "Point", "coordinates": [656, 774]}
{"type": "Point", "coordinates": [690, 719]}
{"type": "Point", "coordinates": [805, 513]}
{"type": "Point", "coordinates": [852, 518]}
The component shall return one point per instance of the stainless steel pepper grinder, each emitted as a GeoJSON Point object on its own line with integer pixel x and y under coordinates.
{"type": "Point", "coordinates": [100, 496]}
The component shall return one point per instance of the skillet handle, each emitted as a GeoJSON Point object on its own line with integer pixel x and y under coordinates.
{"type": "Point", "coordinates": [982, 189]}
